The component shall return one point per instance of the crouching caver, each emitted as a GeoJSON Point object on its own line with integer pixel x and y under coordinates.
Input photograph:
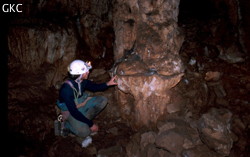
{"type": "Point", "coordinates": [77, 108]}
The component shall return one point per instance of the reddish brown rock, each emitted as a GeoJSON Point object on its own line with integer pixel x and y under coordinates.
{"type": "Point", "coordinates": [147, 48]}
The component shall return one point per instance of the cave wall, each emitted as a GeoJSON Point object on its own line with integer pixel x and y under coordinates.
{"type": "Point", "coordinates": [146, 49]}
{"type": "Point", "coordinates": [225, 25]}
{"type": "Point", "coordinates": [48, 35]}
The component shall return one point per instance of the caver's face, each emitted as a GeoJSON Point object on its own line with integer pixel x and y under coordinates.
{"type": "Point", "coordinates": [85, 75]}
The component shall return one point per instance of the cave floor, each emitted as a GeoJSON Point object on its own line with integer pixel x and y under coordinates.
{"type": "Point", "coordinates": [114, 134]}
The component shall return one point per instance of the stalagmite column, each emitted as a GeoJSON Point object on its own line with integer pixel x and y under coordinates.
{"type": "Point", "coordinates": [147, 57]}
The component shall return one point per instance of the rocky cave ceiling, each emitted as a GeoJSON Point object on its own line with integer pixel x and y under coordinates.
{"type": "Point", "coordinates": [182, 67]}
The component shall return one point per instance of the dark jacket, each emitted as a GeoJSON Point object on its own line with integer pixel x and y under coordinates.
{"type": "Point", "coordinates": [66, 96]}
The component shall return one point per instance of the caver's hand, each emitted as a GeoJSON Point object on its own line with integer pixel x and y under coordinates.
{"type": "Point", "coordinates": [112, 81]}
{"type": "Point", "coordinates": [94, 128]}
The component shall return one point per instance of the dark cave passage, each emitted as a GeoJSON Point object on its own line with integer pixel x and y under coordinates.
{"type": "Point", "coordinates": [195, 9]}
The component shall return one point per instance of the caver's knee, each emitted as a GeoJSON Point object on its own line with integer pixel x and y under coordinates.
{"type": "Point", "coordinates": [102, 101]}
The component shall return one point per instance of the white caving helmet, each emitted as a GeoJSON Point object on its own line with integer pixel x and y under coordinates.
{"type": "Point", "coordinates": [78, 67]}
